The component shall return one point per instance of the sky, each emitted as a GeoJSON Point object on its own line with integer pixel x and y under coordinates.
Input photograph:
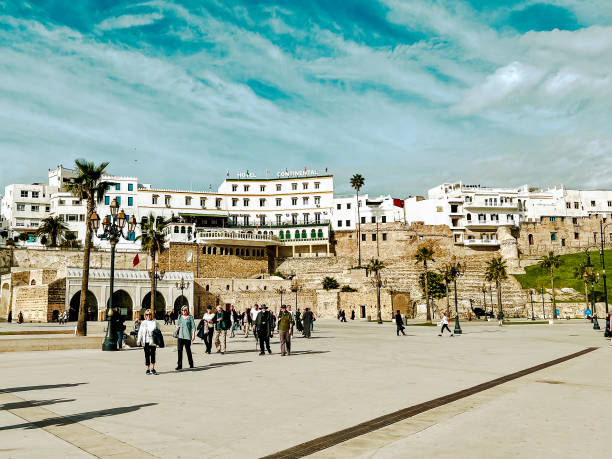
{"type": "Point", "coordinates": [408, 93]}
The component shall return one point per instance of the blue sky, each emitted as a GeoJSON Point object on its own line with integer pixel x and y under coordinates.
{"type": "Point", "coordinates": [408, 93]}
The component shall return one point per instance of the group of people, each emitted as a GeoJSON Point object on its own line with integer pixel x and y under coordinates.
{"type": "Point", "coordinates": [342, 315]}
{"type": "Point", "coordinates": [214, 326]}
{"type": "Point", "coordinates": [19, 317]}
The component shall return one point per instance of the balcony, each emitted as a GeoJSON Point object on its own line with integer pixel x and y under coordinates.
{"type": "Point", "coordinates": [236, 238]}
{"type": "Point", "coordinates": [482, 223]}
{"type": "Point", "coordinates": [506, 206]}
{"type": "Point", "coordinates": [481, 242]}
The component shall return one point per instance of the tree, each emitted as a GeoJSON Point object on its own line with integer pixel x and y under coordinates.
{"type": "Point", "coordinates": [376, 266]}
{"type": "Point", "coordinates": [70, 241]}
{"type": "Point", "coordinates": [423, 255]}
{"type": "Point", "coordinates": [153, 241]}
{"type": "Point", "coordinates": [496, 272]}
{"type": "Point", "coordinates": [436, 285]}
{"type": "Point", "coordinates": [551, 262]}
{"type": "Point", "coordinates": [449, 273]}
{"type": "Point", "coordinates": [584, 271]}
{"type": "Point", "coordinates": [23, 237]}
{"type": "Point", "coordinates": [329, 283]}
{"type": "Point", "coordinates": [53, 228]}
{"type": "Point", "coordinates": [357, 182]}
{"type": "Point", "coordinates": [88, 185]}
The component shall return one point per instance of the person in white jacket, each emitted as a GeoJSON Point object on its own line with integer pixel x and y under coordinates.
{"type": "Point", "coordinates": [145, 338]}
{"type": "Point", "coordinates": [444, 323]}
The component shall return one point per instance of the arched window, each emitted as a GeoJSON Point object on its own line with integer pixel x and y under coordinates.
{"type": "Point", "coordinates": [182, 229]}
{"type": "Point", "coordinates": [227, 287]}
{"type": "Point", "coordinates": [207, 287]}
{"type": "Point", "coordinates": [287, 234]}
{"type": "Point", "coordinates": [320, 234]}
{"type": "Point", "coordinates": [313, 233]}
{"type": "Point", "coordinates": [282, 235]}
{"type": "Point", "coordinates": [304, 235]}
{"type": "Point", "coordinates": [176, 230]}
{"type": "Point", "coordinates": [248, 252]}
{"type": "Point", "coordinates": [297, 234]}
{"type": "Point", "coordinates": [231, 251]}
{"type": "Point", "coordinates": [469, 219]}
{"type": "Point", "coordinates": [214, 251]}
{"type": "Point", "coordinates": [530, 237]}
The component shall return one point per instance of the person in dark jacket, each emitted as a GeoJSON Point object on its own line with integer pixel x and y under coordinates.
{"type": "Point", "coordinates": [223, 322]}
{"type": "Point", "coordinates": [307, 319]}
{"type": "Point", "coordinates": [264, 326]}
{"type": "Point", "coordinates": [399, 323]}
{"type": "Point", "coordinates": [353, 314]}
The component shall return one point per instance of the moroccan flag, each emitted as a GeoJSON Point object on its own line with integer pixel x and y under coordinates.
{"type": "Point", "coordinates": [135, 261]}
{"type": "Point", "coordinates": [398, 203]}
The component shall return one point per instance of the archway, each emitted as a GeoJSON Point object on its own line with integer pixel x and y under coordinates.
{"type": "Point", "coordinates": [91, 307]}
{"type": "Point", "coordinates": [5, 299]}
{"type": "Point", "coordinates": [179, 303]}
{"type": "Point", "coordinates": [401, 301]}
{"type": "Point", "coordinates": [123, 301]}
{"type": "Point", "coordinates": [160, 305]}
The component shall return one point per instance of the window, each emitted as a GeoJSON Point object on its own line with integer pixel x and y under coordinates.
{"type": "Point", "coordinates": [118, 198]}
{"type": "Point", "coordinates": [245, 202]}
{"type": "Point", "coordinates": [374, 237]}
{"type": "Point", "coordinates": [306, 217]}
{"type": "Point", "coordinates": [35, 194]}
{"type": "Point", "coordinates": [107, 187]}
{"type": "Point", "coordinates": [305, 200]}
{"type": "Point", "coordinates": [363, 220]}
{"type": "Point", "coordinates": [48, 209]}
{"type": "Point", "coordinates": [187, 200]}
{"type": "Point", "coordinates": [130, 201]}
{"type": "Point", "coordinates": [373, 219]}
{"type": "Point", "coordinates": [553, 237]}
{"type": "Point", "coordinates": [363, 238]}
{"type": "Point", "coordinates": [278, 202]}
{"type": "Point", "coordinates": [595, 237]}
{"type": "Point", "coordinates": [338, 206]}
{"type": "Point", "coordinates": [278, 187]}
{"type": "Point", "coordinates": [305, 185]}
{"type": "Point", "coordinates": [317, 185]}
{"type": "Point", "coordinates": [553, 219]}
{"type": "Point", "coordinates": [562, 242]}
{"type": "Point", "coordinates": [348, 206]}
{"type": "Point", "coordinates": [154, 199]}
{"type": "Point", "coordinates": [317, 218]}
{"type": "Point", "coordinates": [246, 220]}
{"type": "Point", "coordinates": [568, 205]}
{"type": "Point", "coordinates": [576, 205]}
{"type": "Point", "coordinates": [279, 220]}
{"type": "Point", "coordinates": [348, 223]}
{"type": "Point", "coordinates": [294, 219]}
{"type": "Point", "coordinates": [107, 200]}
{"type": "Point", "coordinates": [130, 187]}
{"type": "Point", "coordinates": [202, 202]}
{"type": "Point", "coordinates": [384, 219]}
{"type": "Point", "coordinates": [384, 236]}
{"type": "Point", "coordinates": [294, 186]}
{"type": "Point", "coordinates": [246, 188]}
{"type": "Point", "coordinates": [592, 203]}
{"type": "Point", "coordinates": [234, 202]}
{"type": "Point", "coordinates": [609, 203]}
{"type": "Point", "coordinates": [576, 235]}
{"type": "Point", "coordinates": [339, 223]}
{"type": "Point", "coordinates": [20, 207]}
{"type": "Point", "coordinates": [262, 202]}
{"type": "Point", "coordinates": [118, 186]}
{"type": "Point", "coordinates": [262, 188]}
{"type": "Point", "coordinates": [262, 220]}
{"type": "Point", "coordinates": [35, 208]}
{"type": "Point", "coordinates": [167, 200]}
{"type": "Point", "coordinates": [317, 200]}
{"type": "Point", "coordinates": [235, 220]}
{"type": "Point", "coordinates": [294, 201]}
{"type": "Point", "coordinates": [24, 193]}
{"type": "Point", "coordinates": [234, 187]}
{"type": "Point", "coordinates": [218, 202]}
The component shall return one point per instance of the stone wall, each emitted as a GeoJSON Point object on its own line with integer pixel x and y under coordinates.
{"type": "Point", "coordinates": [5, 260]}
{"type": "Point", "coordinates": [189, 257]}
{"type": "Point", "coordinates": [61, 259]}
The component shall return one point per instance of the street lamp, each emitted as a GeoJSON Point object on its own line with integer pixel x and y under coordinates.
{"type": "Point", "coordinates": [155, 275]}
{"type": "Point", "coordinates": [483, 289]}
{"type": "Point", "coordinates": [112, 231]}
{"type": "Point", "coordinates": [543, 310]}
{"type": "Point", "coordinates": [281, 291]}
{"type": "Point", "coordinates": [531, 296]}
{"type": "Point", "coordinates": [594, 279]}
{"type": "Point", "coordinates": [296, 288]}
{"type": "Point", "coordinates": [602, 227]}
{"type": "Point", "coordinates": [182, 285]}
{"type": "Point", "coordinates": [457, 270]}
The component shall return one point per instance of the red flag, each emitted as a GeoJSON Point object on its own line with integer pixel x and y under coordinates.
{"type": "Point", "coordinates": [398, 203]}
{"type": "Point", "coordinates": [135, 261]}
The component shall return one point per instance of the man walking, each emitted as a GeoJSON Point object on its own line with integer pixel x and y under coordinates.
{"type": "Point", "coordinates": [399, 323]}
{"type": "Point", "coordinates": [285, 329]}
{"type": "Point", "coordinates": [209, 328]}
{"type": "Point", "coordinates": [247, 322]}
{"type": "Point", "coordinates": [263, 324]}
{"type": "Point", "coordinates": [254, 313]}
{"type": "Point", "coordinates": [222, 323]}
{"type": "Point", "coordinates": [307, 322]}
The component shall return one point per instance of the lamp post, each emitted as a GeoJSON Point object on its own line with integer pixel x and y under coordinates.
{"type": "Point", "coordinates": [531, 296]}
{"type": "Point", "coordinates": [483, 289]}
{"type": "Point", "coordinates": [281, 291]}
{"type": "Point", "coordinates": [543, 310]}
{"type": "Point", "coordinates": [295, 288]}
{"type": "Point", "coordinates": [602, 227]}
{"type": "Point", "coordinates": [182, 285]}
{"type": "Point", "coordinates": [458, 270]}
{"type": "Point", "coordinates": [593, 279]}
{"type": "Point", "coordinates": [156, 276]}
{"type": "Point", "coordinates": [491, 293]}
{"type": "Point", "coordinates": [112, 231]}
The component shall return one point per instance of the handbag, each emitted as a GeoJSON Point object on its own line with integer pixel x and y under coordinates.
{"type": "Point", "coordinates": [175, 334]}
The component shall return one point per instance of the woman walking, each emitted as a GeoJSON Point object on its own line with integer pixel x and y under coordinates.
{"type": "Point", "coordinates": [185, 335]}
{"type": "Point", "coordinates": [145, 338]}
{"type": "Point", "coordinates": [209, 328]}
{"type": "Point", "coordinates": [444, 323]}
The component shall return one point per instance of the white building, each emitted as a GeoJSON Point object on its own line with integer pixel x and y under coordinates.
{"type": "Point", "coordinates": [381, 209]}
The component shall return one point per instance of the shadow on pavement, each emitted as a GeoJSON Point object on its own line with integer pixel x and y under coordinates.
{"type": "Point", "coordinates": [75, 418]}
{"type": "Point", "coordinates": [308, 352]}
{"type": "Point", "coordinates": [42, 387]}
{"type": "Point", "coordinates": [31, 403]}
{"type": "Point", "coordinates": [203, 368]}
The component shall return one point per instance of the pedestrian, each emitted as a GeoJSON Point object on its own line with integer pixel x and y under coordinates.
{"type": "Point", "coordinates": [119, 327]}
{"type": "Point", "coordinates": [186, 330]}
{"type": "Point", "coordinates": [166, 318]}
{"type": "Point", "coordinates": [444, 323]}
{"type": "Point", "coordinates": [307, 319]}
{"type": "Point", "coordinates": [298, 321]}
{"type": "Point", "coordinates": [233, 322]}
{"type": "Point", "coordinates": [263, 324]}
{"type": "Point", "coordinates": [247, 322]}
{"type": "Point", "coordinates": [399, 323]}
{"type": "Point", "coordinates": [20, 318]}
{"type": "Point", "coordinates": [10, 316]}
{"type": "Point", "coordinates": [500, 318]}
{"type": "Point", "coordinates": [145, 338]}
{"type": "Point", "coordinates": [352, 314]}
{"type": "Point", "coordinates": [254, 313]}
{"type": "Point", "coordinates": [209, 328]}
{"type": "Point", "coordinates": [343, 316]}
{"type": "Point", "coordinates": [222, 321]}
{"type": "Point", "coordinates": [136, 328]}
{"type": "Point", "coordinates": [285, 330]}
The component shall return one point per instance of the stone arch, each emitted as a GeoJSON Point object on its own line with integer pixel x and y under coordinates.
{"type": "Point", "coordinates": [180, 301]}
{"type": "Point", "coordinates": [402, 302]}
{"type": "Point", "coordinates": [91, 306]}
{"type": "Point", "coordinates": [123, 301]}
{"type": "Point", "coordinates": [33, 282]}
{"type": "Point", "coordinates": [160, 304]}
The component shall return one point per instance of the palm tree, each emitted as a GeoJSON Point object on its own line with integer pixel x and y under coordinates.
{"type": "Point", "coordinates": [153, 241]}
{"type": "Point", "coordinates": [585, 272]}
{"type": "Point", "coordinates": [88, 185]}
{"type": "Point", "coordinates": [329, 283]}
{"type": "Point", "coordinates": [550, 262]}
{"type": "Point", "coordinates": [496, 272]}
{"type": "Point", "coordinates": [376, 266]}
{"type": "Point", "coordinates": [449, 272]}
{"type": "Point", "coordinates": [70, 241]}
{"type": "Point", "coordinates": [357, 182]}
{"type": "Point", "coordinates": [423, 255]}
{"type": "Point", "coordinates": [52, 228]}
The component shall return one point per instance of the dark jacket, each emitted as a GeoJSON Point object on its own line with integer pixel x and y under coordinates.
{"type": "Point", "coordinates": [398, 320]}
{"type": "Point", "coordinates": [225, 323]}
{"type": "Point", "coordinates": [264, 323]}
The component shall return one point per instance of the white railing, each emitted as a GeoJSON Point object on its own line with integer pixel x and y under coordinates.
{"type": "Point", "coordinates": [487, 242]}
{"type": "Point", "coordinates": [234, 235]}
{"type": "Point", "coordinates": [306, 239]}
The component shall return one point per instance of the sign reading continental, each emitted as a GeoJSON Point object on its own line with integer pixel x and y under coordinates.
{"type": "Point", "coordinates": [302, 173]}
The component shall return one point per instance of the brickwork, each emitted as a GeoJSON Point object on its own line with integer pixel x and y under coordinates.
{"type": "Point", "coordinates": [5, 260]}
{"type": "Point", "coordinates": [61, 259]}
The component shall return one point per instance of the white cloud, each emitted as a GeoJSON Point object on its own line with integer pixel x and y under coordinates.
{"type": "Point", "coordinates": [129, 20]}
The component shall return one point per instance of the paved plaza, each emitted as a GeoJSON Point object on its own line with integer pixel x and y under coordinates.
{"type": "Point", "coordinates": [84, 403]}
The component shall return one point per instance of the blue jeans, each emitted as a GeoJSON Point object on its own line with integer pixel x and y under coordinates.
{"type": "Point", "coordinates": [120, 339]}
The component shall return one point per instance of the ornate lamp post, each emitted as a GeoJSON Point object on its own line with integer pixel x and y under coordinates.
{"type": "Point", "coordinates": [602, 237]}
{"type": "Point", "coordinates": [458, 270]}
{"type": "Point", "coordinates": [483, 289]}
{"type": "Point", "coordinates": [594, 279]}
{"type": "Point", "coordinates": [531, 296]}
{"type": "Point", "coordinates": [295, 288]}
{"type": "Point", "coordinates": [182, 285]}
{"type": "Point", "coordinates": [112, 231]}
{"type": "Point", "coordinates": [281, 291]}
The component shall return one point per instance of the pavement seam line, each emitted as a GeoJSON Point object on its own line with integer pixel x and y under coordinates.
{"type": "Point", "coordinates": [327, 441]}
